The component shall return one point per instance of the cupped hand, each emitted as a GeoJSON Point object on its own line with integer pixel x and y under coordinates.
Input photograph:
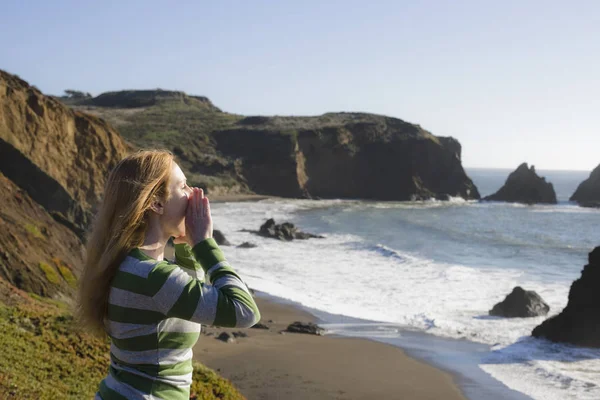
{"type": "Point", "coordinates": [198, 220]}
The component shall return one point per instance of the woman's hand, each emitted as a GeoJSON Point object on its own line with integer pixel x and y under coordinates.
{"type": "Point", "coordinates": [198, 221]}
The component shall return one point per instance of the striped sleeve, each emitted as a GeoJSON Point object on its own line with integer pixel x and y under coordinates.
{"type": "Point", "coordinates": [185, 258]}
{"type": "Point", "coordinates": [224, 300]}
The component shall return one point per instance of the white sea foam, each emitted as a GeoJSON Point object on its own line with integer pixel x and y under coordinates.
{"type": "Point", "coordinates": [344, 275]}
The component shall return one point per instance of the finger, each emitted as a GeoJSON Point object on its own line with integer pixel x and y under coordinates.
{"type": "Point", "coordinates": [193, 206]}
{"type": "Point", "coordinates": [199, 208]}
{"type": "Point", "coordinates": [206, 207]}
{"type": "Point", "coordinates": [201, 193]}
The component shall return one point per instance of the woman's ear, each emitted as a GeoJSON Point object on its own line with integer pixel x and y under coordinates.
{"type": "Point", "coordinates": [157, 207]}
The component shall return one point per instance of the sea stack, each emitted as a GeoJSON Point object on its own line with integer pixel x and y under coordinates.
{"type": "Point", "coordinates": [525, 186]}
{"type": "Point", "coordinates": [579, 322]}
{"type": "Point", "coordinates": [588, 191]}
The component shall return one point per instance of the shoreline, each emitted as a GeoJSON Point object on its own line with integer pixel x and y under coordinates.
{"type": "Point", "coordinates": [230, 198]}
{"type": "Point", "coordinates": [271, 365]}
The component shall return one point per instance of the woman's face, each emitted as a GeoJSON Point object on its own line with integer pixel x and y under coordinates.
{"type": "Point", "coordinates": [173, 218]}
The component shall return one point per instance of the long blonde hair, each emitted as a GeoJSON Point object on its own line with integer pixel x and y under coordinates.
{"type": "Point", "coordinates": [119, 226]}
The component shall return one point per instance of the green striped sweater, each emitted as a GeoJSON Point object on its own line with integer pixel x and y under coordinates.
{"type": "Point", "coordinates": [154, 314]}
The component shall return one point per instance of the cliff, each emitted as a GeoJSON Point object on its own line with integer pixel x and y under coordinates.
{"type": "Point", "coordinates": [59, 156]}
{"type": "Point", "coordinates": [53, 165]}
{"type": "Point", "coordinates": [345, 155]}
{"type": "Point", "coordinates": [525, 186]}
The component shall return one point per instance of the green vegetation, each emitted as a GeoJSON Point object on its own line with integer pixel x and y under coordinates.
{"type": "Point", "coordinates": [207, 384]}
{"type": "Point", "coordinates": [65, 271]}
{"type": "Point", "coordinates": [174, 121]}
{"type": "Point", "coordinates": [34, 231]}
{"type": "Point", "coordinates": [50, 273]}
{"type": "Point", "coordinates": [45, 356]}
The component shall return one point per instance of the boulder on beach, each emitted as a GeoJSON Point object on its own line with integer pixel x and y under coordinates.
{"type": "Point", "coordinates": [520, 303]}
{"type": "Point", "coordinates": [226, 337]}
{"type": "Point", "coordinates": [308, 327]}
{"type": "Point", "coordinates": [579, 322]}
{"type": "Point", "coordinates": [588, 191]}
{"type": "Point", "coordinates": [285, 231]}
{"type": "Point", "coordinates": [525, 186]}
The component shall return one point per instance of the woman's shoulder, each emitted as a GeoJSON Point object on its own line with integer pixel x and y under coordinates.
{"type": "Point", "coordinates": [138, 263]}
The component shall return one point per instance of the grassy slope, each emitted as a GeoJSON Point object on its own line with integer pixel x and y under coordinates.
{"type": "Point", "coordinates": [183, 126]}
{"type": "Point", "coordinates": [46, 356]}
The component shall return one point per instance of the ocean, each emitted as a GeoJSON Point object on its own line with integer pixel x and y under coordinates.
{"type": "Point", "coordinates": [423, 276]}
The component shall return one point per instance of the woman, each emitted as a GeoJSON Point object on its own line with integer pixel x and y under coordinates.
{"type": "Point", "coordinates": [151, 308]}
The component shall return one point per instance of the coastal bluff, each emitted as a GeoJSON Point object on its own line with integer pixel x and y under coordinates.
{"type": "Point", "coordinates": [345, 155]}
{"type": "Point", "coordinates": [59, 156]}
{"type": "Point", "coordinates": [579, 322]}
{"type": "Point", "coordinates": [53, 165]}
{"type": "Point", "coordinates": [334, 155]}
{"type": "Point", "coordinates": [524, 185]}
{"type": "Point", "coordinates": [588, 191]}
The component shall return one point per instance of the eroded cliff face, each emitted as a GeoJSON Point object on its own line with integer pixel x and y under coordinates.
{"type": "Point", "coordinates": [37, 254]}
{"type": "Point", "coordinates": [353, 156]}
{"type": "Point", "coordinates": [60, 157]}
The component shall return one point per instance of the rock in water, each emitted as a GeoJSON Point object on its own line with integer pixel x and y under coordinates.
{"type": "Point", "coordinates": [285, 231]}
{"type": "Point", "coordinates": [247, 245]}
{"type": "Point", "coordinates": [579, 322]}
{"type": "Point", "coordinates": [521, 304]}
{"type": "Point", "coordinates": [588, 191]}
{"type": "Point", "coordinates": [525, 186]}
{"type": "Point", "coordinates": [220, 238]}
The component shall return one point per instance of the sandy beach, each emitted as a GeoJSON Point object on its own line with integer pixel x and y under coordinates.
{"type": "Point", "coordinates": [270, 365]}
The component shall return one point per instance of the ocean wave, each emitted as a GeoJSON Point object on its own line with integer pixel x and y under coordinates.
{"type": "Point", "coordinates": [347, 275]}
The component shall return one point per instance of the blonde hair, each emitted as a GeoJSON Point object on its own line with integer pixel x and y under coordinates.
{"type": "Point", "coordinates": [119, 226]}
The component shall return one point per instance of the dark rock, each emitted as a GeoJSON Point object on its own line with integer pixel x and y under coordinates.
{"type": "Point", "coordinates": [525, 186]}
{"type": "Point", "coordinates": [260, 326]}
{"type": "Point", "coordinates": [285, 231]}
{"type": "Point", "coordinates": [588, 191]}
{"type": "Point", "coordinates": [220, 238]}
{"type": "Point", "coordinates": [271, 321]}
{"type": "Point", "coordinates": [239, 334]}
{"type": "Point", "coordinates": [521, 304]}
{"type": "Point", "coordinates": [579, 322]}
{"type": "Point", "coordinates": [226, 337]}
{"type": "Point", "coordinates": [247, 245]}
{"type": "Point", "coordinates": [301, 327]}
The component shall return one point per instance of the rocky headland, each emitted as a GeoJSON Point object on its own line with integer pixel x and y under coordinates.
{"type": "Point", "coordinates": [335, 155]}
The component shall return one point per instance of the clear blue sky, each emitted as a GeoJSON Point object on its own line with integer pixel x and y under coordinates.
{"type": "Point", "coordinates": [514, 81]}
